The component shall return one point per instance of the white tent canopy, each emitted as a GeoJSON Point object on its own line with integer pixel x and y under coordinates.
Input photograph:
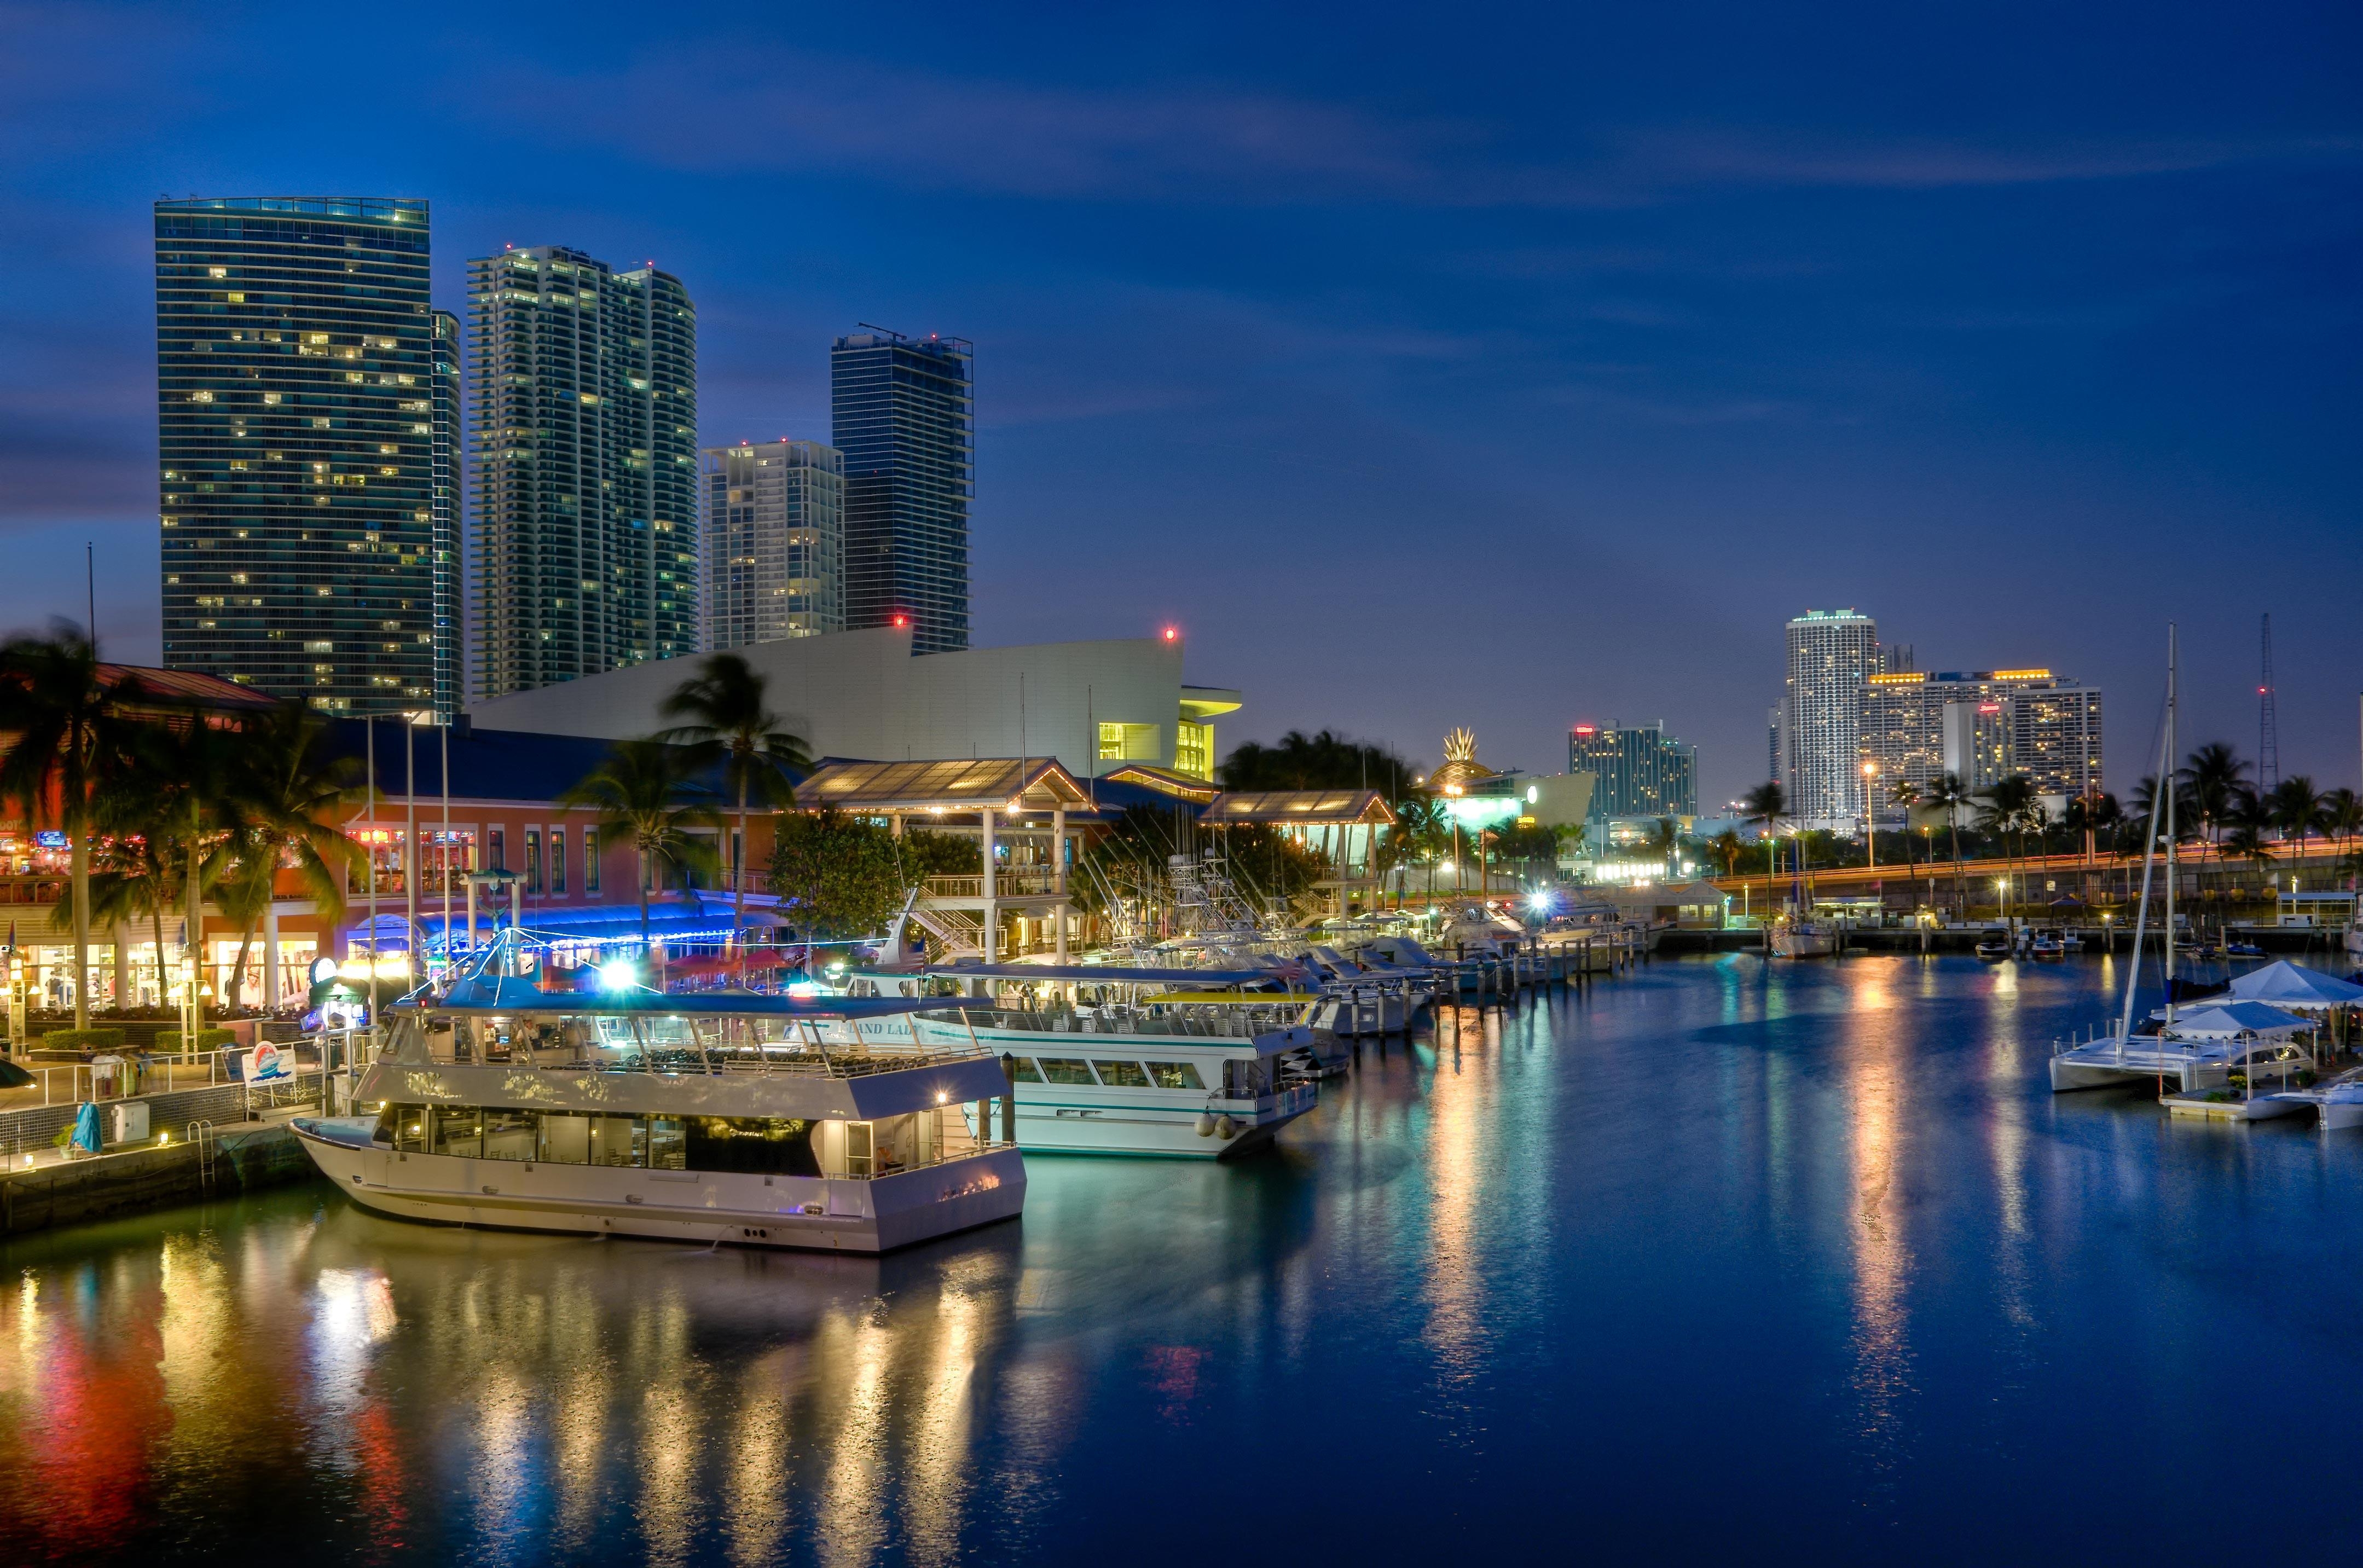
{"type": "Point", "coordinates": [2230, 1020]}
{"type": "Point", "coordinates": [2287, 984]}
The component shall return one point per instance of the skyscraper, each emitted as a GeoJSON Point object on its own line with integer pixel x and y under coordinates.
{"type": "Point", "coordinates": [585, 390]}
{"type": "Point", "coordinates": [1643, 772]}
{"type": "Point", "coordinates": [297, 390]}
{"type": "Point", "coordinates": [2013, 721]}
{"type": "Point", "coordinates": [450, 617]}
{"type": "Point", "coordinates": [904, 416]}
{"type": "Point", "coordinates": [773, 539]}
{"type": "Point", "coordinates": [1831, 654]}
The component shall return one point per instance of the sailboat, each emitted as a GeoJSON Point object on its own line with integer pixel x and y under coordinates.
{"type": "Point", "coordinates": [2197, 1059]}
{"type": "Point", "coordinates": [1795, 933]}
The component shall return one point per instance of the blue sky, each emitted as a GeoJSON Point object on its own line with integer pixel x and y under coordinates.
{"type": "Point", "coordinates": [1426, 366]}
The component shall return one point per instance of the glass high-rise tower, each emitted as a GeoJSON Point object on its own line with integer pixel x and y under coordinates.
{"type": "Point", "coordinates": [296, 434]}
{"type": "Point", "coordinates": [584, 392]}
{"type": "Point", "coordinates": [774, 541]}
{"type": "Point", "coordinates": [904, 416]}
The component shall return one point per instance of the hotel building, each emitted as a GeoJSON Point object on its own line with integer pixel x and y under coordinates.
{"type": "Point", "coordinates": [1642, 771]}
{"type": "Point", "coordinates": [902, 413]}
{"type": "Point", "coordinates": [1983, 725]}
{"type": "Point", "coordinates": [303, 446]}
{"type": "Point", "coordinates": [773, 537]}
{"type": "Point", "coordinates": [584, 392]}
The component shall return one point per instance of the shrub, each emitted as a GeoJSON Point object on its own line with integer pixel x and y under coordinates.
{"type": "Point", "coordinates": [81, 1040]}
{"type": "Point", "coordinates": [168, 1041]}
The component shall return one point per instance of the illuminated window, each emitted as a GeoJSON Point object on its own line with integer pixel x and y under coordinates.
{"type": "Point", "coordinates": [558, 860]}
{"type": "Point", "coordinates": [1130, 743]}
{"type": "Point", "coordinates": [590, 859]}
{"type": "Point", "coordinates": [1194, 749]}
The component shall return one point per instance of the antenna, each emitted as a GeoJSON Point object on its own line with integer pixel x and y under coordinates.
{"type": "Point", "coordinates": [2268, 739]}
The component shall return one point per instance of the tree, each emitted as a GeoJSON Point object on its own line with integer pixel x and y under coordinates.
{"type": "Point", "coordinates": [131, 879]}
{"type": "Point", "coordinates": [1325, 759]}
{"type": "Point", "coordinates": [1765, 805]}
{"type": "Point", "coordinates": [1947, 793]}
{"type": "Point", "coordinates": [1726, 848]}
{"type": "Point", "coordinates": [2297, 809]}
{"type": "Point", "coordinates": [2342, 814]}
{"type": "Point", "coordinates": [193, 778]}
{"type": "Point", "coordinates": [726, 721]}
{"type": "Point", "coordinates": [1660, 841]}
{"type": "Point", "coordinates": [648, 793]}
{"type": "Point", "coordinates": [1904, 794]}
{"type": "Point", "coordinates": [2212, 779]}
{"type": "Point", "coordinates": [840, 876]}
{"type": "Point", "coordinates": [292, 794]}
{"type": "Point", "coordinates": [2008, 807]}
{"type": "Point", "coordinates": [1424, 826]}
{"type": "Point", "coordinates": [54, 700]}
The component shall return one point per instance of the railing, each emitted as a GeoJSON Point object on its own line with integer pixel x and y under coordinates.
{"type": "Point", "coordinates": [1018, 881]}
{"type": "Point", "coordinates": [770, 1058]}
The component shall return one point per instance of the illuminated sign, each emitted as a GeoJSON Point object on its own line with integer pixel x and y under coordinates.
{"type": "Point", "coordinates": [1912, 678]}
{"type": "Point", "coordinates": [1989, 708]}
{"type": "Point", "coordinates": [1585, 729]}
{"type": "Point", "coordinates": [50, 838]}
{"type": "Point", "coordinates": [2021, 674]}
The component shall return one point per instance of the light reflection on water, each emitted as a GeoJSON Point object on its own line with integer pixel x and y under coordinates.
{"type": "Point", "coordinates": [1809, 1241]}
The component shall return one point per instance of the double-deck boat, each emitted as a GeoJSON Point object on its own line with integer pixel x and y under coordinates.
{"type": "Point", "coordinates": [1107, 1060]}
{"type": "Point", "coordinates": [767, 1121]}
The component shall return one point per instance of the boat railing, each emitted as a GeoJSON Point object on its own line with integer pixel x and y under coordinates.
{"type": "Point", "coordinates": [1229, 1021]}
{"type": "Point", "coordinates": [810, 1057]}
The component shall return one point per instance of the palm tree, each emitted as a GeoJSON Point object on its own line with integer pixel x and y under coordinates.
{"type": "Point", "coordinates": [645, 791]}
{"type": "Point", "coordinates": [131, 879]}
{"type": "Point", "coordinates": [726, 722]}
{"type": "Point", "coordinates": [1661, 841]}
{"type": "Point", "coordinates": [2212, 782]}
{"type": "Point", "coordinates": [2008, 806]}
{"type": "Point", "coordinates": [1904, 794]}
{"type": "Point", "coordinates": [1422, 826]}
{"type": "Point", "coordinates": [1948, 793]}
{"type": "Point", "coordinates": [292, 790]}
{"type": "Point", "coordinates": [2342, 814]}
{"type": "Point", "coordinates": [1765, 805]}
{"type": "Point", "coordinates": [54, 700]}
{"type": "Point", "coordinates": [2297, 808]}
{"type": "Point", "coordinates": [1726, 848]}
{"type": "Point", "coordinates": [198, 777]}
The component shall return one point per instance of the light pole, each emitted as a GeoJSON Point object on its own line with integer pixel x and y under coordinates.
{"type": "Point", "coordinates": [1869, 814]}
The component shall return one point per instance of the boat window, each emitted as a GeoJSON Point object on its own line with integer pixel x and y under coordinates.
{"type": "Point", "coordinates": [857, 1148]}
{"type": "Point", "coordinates": [458, 1129]}
{"type": "Point", "coordinates": [438, 1040]}
{"type": "Point", "coordinates": [618, 1140]}
{"type": "Point", "coordinates": [766, 1146]}
{"type": "Point", "coordinates": [565, 1140]}
{"type": "Point", "coordinates": [1065, 1069]}
{"type": "Point", "coordinates": [1121, 1074]}
{"type": "Point", "coordinates": [668, 1145]}
{"type": "Point", "coordinates": [508, 1134]}
{"type": "Point", "coordinates": [410, 1127]}
{"type": "Point", "coordinates": [1174, 1074]}
{"type": "Point", "coordinates": [1022, 1070]}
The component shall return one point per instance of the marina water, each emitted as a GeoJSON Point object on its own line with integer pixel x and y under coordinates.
{"type": "Point", "coordinates": [1728, 1258]}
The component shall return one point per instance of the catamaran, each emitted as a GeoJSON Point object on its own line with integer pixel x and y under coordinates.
{"type": "Point", "coordinates": [764, 1121]}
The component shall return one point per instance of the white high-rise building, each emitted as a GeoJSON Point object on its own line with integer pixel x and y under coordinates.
{"type": "Point", "coordinates": [774, 542]}
{"type": "Point", "coordinates": [1831, 654]}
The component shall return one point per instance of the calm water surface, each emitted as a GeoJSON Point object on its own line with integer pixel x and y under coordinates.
{"type": "Point", "coordinates": [1715, 1259]}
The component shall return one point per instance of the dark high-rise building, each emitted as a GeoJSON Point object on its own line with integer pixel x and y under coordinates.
{"type": "Point", "coordinates": [1643, 772]}
{"type": "Point", "coordinates": [450, 619]}
{"type": "Point", "coordinates": [902, 415]}
{"type": "Point", "coordinates": [296, 392]}
{"type": "Point", "coordinates": [584, 385]}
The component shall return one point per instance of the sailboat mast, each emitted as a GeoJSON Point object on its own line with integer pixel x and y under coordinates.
{"type": "Point", "coordinates": [2149, 866]}
{"type": "Point", "coordinates": [2166, 781]}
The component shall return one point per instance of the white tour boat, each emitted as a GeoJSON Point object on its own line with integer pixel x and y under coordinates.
{"type": "Point", "coordinates": [765, 1121]}
{"type": "Point", "coordinates": [1108, 1060]}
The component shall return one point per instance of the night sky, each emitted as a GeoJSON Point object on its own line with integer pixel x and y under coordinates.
{"type": "Point", "coordinates": [1424, 370]}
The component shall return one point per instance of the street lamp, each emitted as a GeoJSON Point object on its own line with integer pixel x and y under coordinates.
{"type": "Point", "coordinates": [1870, 818]}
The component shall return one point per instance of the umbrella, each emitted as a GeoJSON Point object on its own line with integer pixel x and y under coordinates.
{"type": "Point", "coordinates": [85, 1129]}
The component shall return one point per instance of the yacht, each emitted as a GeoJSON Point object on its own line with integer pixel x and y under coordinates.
{"type": "Point", "coordinates": [1995, 946]}
{"type": "Point", "coordinates": [764, 1122]}
{"type": "Point", "coordinates": [1108, 1060]}
{"type": "Point", "coordinates": [2050, 947]}
{"type": "Point", "coordinates": [1791, 935]}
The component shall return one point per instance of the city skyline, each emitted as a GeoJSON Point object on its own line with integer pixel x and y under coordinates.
{"type": "Point", "coordinates": [1722, 339]}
